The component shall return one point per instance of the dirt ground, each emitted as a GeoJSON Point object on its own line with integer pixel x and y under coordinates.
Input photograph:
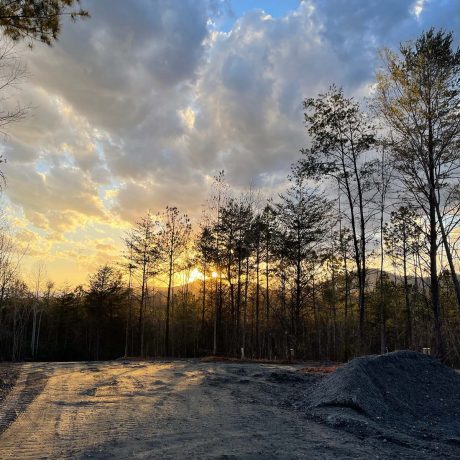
{"type": "Point", "coordinates": [178, 409]}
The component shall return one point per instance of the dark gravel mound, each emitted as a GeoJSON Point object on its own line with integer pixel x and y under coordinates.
{"type": "Point", "coordinates": [287, 377]}
{"type": "Point", "coordinates": [405, 391]}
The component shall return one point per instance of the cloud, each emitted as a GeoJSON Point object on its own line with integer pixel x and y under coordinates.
{"type": "Point", "coordinates": [137, 107]}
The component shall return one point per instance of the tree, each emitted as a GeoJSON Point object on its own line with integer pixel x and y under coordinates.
{"type": "Point", "coordinates": [341, 136]}
{"type": "Point", "coordinates": [12, 73]}
{"type": "Point", "coordinates": [173, 239]}
{"type": "Point", "coordinates": [302, 214]}
{"type": "Point", "coordinates": [104, 299]}
{"type": "Point", "coordinates": [143, 253]}
{"type": "Point", "coordinates": [10, 260]}
{"type": "Point", "coordinates": [418, 97]}
{"type": "Point", "coordinates": [234, 234]}
{"type": "Point", "coordinates": [130, 267]}
{"type": "Point", "coordinates": [19, 298]}
{"type": "Point", "coordinates": [383, 182]}
{"type": "Point", "coordinates": [401, 235]}
{"type": "Point", "coordinates": [267, 221]}
{"type": "Point", "coordinates": [204, 246]}
{"type": "Point", "coordinates": [37, 310]}
{"type": "Point", "coordinates": [219, 196]}
{"type": "Point", "coordinates": [258, 229]}
{"type": "Point", "coordinates": [37, 19]}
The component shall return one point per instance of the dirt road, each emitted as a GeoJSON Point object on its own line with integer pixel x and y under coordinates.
{"type": "Point", "coordinates": [179, 409]}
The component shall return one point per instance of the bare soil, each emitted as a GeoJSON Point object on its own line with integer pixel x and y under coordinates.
{"type": "Point", "coordinates": [182, 409]}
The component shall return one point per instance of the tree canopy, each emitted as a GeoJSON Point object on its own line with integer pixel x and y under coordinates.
{"type": "Point", "coordinates": [37, 20]}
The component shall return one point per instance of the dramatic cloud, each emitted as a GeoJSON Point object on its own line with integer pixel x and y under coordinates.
{"type": "Point", "coordinates": [139, 106]}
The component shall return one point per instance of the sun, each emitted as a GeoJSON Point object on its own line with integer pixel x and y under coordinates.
{"type": "Point", "coordinates": [194, 275]}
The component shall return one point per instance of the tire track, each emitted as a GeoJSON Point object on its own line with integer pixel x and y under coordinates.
{"type": "Point", "coordinates": [79, 411]}
{"type": "Point", "coordinates": [29, 384]}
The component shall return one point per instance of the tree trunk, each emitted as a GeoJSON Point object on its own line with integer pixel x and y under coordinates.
{"type": "Point", "coordinates": [381, 302]}
{"type": "Point", "coordinates": [317, 323]}
{"type": "Point", "coordinates": [257, 301]}
{"type": "Point", "coordinates": [406, 296]}
{"type": "Point", "coordinates": [362, 283]}
{"type": "Point", "coordinates": [34, 328]}
{"type": "Point", "coordinates": [238, 304]}
{"type": "Point", "coordinates": [214, 352]}
{"type": "Point", "coordinates": [440, 347]}
{"type": "Point", "coordinates": [203, 305]}
{"type": "Point", "coordinates": [450, 260]}
{"type": "Point", "coordinates": [141, 312]}
{"type": "Point", "coordinates": [168, 305]}
{"type": "Point", "coordinates": [245, 303]}
{"type": "Point", "coordinates": [267, 298]}
{"type": "Point", "coordinates": [357, 254]}
{"type": "Point", "coordinates": [128, 319]}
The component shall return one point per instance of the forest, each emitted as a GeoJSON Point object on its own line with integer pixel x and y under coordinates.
{"type": "Point", "coordinates": [357, 255]}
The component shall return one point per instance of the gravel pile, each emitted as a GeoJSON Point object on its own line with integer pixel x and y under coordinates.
{"type": "Point", "coordinates": [405, 392]}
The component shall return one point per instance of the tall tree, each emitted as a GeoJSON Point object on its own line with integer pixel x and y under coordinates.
{"type": "Point", "coordinates": [383, 182]}
{"type": "Point", "coordinates": [234, 231]}
{"type": "Point", "coordinates": [418, 96]}
{"type": "Point", "coordinates": [174, 237]}
{"type": "Point", "coordinates": [401, 235]}
{"type": "Point", "coordinates": [104, 298]}
{"type": "Point", "coordinates": [302, 213]}
{"type": "Point", "coordinates": [341, 135]}
{"type": "Point", "coordinates": [204, 246]}
{"type": "Point", "coordinates": [143, 253]}
{"type": "Point", "coordinates": [37, 309]}
{"type": "Point", "coordinates": [257, 234]}
{"type": "Point", "coordinates": [269, 237]}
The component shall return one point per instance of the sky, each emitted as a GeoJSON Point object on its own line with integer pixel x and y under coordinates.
{"type": "Point", "coordinates": [141, 105]}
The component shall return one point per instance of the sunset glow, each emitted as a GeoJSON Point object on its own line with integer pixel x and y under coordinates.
{"type": "Point", "coordinates": [104, 142]}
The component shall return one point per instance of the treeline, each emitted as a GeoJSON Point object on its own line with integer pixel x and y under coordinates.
{"type": "Point", "coordinates": [358, 255]}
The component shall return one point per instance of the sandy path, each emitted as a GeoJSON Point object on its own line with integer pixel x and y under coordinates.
{"type": "Point", "coordinates": [182, 409]}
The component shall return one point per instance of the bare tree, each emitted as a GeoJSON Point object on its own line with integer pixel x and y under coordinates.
{"type": "Point", "coordinates": [341, 136]}
{"type": "Point", "coordinates": [418, 97]}
{"type": "Point", "coordinates": [10, 260]}
{"type": "Point", "coordinates": [12, 73]}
